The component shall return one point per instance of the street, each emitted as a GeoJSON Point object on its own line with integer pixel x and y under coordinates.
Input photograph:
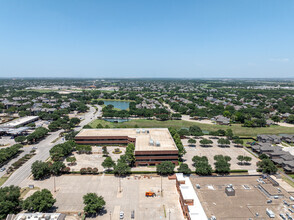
{"type": "Point", "coordinates": [42, 153]}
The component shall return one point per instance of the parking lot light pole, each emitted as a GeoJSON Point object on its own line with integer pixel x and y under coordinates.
{"type": "Point", "coordinates": [54, 183]}
{"type": "Point", "coordinates": [161, 185]}
{"type": "Point", "coordinates": [169, 214]}
{"type": "Point", "coordinates": [110, 215]}
{"type": "Point", "coordinates": [119, 182]}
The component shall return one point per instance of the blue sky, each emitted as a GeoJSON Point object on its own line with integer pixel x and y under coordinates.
{"type": "Point", "coordinates": [147, 38]}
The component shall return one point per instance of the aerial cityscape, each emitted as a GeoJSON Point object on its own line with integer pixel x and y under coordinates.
{"type": "Point", "coordinates": [146, 110]}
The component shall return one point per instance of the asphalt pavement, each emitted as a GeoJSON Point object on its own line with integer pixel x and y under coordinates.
{"type": "Point", "coordinates": [43, 147]}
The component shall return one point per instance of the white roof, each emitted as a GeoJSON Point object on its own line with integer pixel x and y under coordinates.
{"type": "Point", "coordinates": [20, 121]}
{"type": "Point", "coordinates": [160, 136]}
{"type": "Point", "coordinates": [196, 210]}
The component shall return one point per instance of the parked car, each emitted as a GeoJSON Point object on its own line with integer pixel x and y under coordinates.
{"type": "Point", "coordinates": [2, 169]}
{"type": "Point", "coordinates": [121, 215]}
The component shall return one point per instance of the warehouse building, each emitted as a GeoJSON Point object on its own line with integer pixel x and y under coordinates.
{"type": "Point", "coordinates": [152, 145]}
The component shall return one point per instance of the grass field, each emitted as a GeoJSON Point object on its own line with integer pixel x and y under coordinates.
{"type": "Point", "coordinates": [237, 129]}
{"type": "Point", "coordinates": [3, 180]}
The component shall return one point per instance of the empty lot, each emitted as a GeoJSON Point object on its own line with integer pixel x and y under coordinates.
{"type": "Point", "coordinates": [214, 149]}
{"type": "Point", "coordinates": [70, 190]}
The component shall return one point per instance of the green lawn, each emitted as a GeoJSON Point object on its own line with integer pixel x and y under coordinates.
{"type": "Point", "coordinates": [3, 180]}
{"type": "Point", "coordinates": [237, 128]}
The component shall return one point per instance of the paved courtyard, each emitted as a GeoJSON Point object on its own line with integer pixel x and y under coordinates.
{"type": "Point", "coordinates": [71, 188]}
{"type": "Point", "coordinates": [214, 149]}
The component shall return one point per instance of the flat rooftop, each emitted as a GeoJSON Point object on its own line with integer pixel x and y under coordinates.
{"type": "Point", "coordinates": [20, 121]}
{"type": "Point", "coordinates": [144, 137]}
{"type": "Point", "coordinates": [248, 199]}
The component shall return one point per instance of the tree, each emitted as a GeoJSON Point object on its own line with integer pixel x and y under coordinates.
{"type": "Point", "coordinates": [205, 142]}
{"type": "Point", "coordinates": [163, 117]}
{"type": "Point", "coordinates": [203, 168]}
{"type": "Point", "coordinates": [121, 168]}
{"type": "Point", "coordinates": [247, 159]}
{"type": "Point", "coordinates": [165, 168]}
{"type": "Point", "coordinates": [9, 201]}
{"type": "Point", "coordinates": [130, 155]}
{"type": "Point", "coordinates": [93, 203]}
{"type": "Point", "coordinates": [223, 142]}
{"type": "Point", "coordinates": [290, 119]}
{"type": "Point", "coordinates": [57, 167]}
{"type": "Point", "coordinates": [183, 132]}
{"type": "Point", "coordinates": [40, 169]}
{"type": "Point", "coordinates": [40, 201]}
{"type": "Point", "coordinates": [100, 102]}
{"type": "Point", "coordinates": [221, 165]}
{"type": "Point", "coordinates": [238, 141]}
{"type": "Point", "coordinates": [71, 160]}
{"type": "Point", "coordinates": [84, 149]}
{"type": "Point", "coordinates": [108, 163]}
{"type": "Point", "coordinates": [178, 141]}
{"type": "Point", "coordinates": [267, 166]}
{"type": "Point", "coordinates": [276, 118]}
{"type": "Point", "coordinates": [195, 130]}
{"type": "Point", "coordinates": [184, 168]}
{"type": "Point", "coordinates": [263, 156]}
{"type": "Point", "coordinates": [229, 134]}
{"type": "Point", "coordinates": [75, 121]}
{"type": "Point", "coordinates": [20, 139]}
{"type": "Point", "coordinates": [192, 141]}
{"type": "Point", "coordinates": [99, 125]}
{"type": "Point", "coordinates": [240, 158]}
{"type": "Point", "coordinates": [54, 126]}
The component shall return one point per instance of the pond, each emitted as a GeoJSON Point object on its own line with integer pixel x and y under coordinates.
{"type": "Point", "coordinates": [123, 105]}
{"type": "Point", "coordinates": [116, 120]}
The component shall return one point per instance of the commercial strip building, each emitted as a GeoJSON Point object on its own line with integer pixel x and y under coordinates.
{"type": "Point", "coordinates": [152, 145]}
{"type": "Point", "coordinates": [191, 205]}
{"type": "Point", "coordinates": [36, 216]}
{"type": "Point", "coordinates": [20, 122]}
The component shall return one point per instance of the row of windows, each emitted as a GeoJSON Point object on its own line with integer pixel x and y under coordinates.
{"type": "Point", "coordinates": [98, 140]}
{"type": "Point", "coordinates": [157, 155]}
{"type": "Point", "coordinates": [155, 160]}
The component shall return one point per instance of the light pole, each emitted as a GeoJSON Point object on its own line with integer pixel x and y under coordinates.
{"type": "Point", "coordinates": [54, 183]}
{"type": "Point", "coordinates": [119, 183]}
{"type": "Point", "coordinates": [110, 215]}
{"type": "Point", "coordinates": [169, 214]}
{"type": "Point", "coordinates": [161, 185]}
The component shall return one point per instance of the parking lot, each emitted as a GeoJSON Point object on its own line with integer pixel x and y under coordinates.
{"type": "Point", "coordinates": [95, 159]}
{"type": "Point", "coordinates": [70, 190]}
{"type": "Point", "coordinates": [214, 149]}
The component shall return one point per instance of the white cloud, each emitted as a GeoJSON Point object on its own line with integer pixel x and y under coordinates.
{"type": "Point", "coordinates": [280, 60]}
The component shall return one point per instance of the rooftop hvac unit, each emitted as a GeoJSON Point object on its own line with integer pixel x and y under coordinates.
{"type": "Point", "coordinates": [157, 143]}
{"type": "Point", "coordinates": [151, 142]}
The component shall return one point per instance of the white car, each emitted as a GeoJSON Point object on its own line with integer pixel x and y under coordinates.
{"type": "Point", "coordinates": [2, 169]}
{"type": "Point", "coordinates": [121, 215]}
